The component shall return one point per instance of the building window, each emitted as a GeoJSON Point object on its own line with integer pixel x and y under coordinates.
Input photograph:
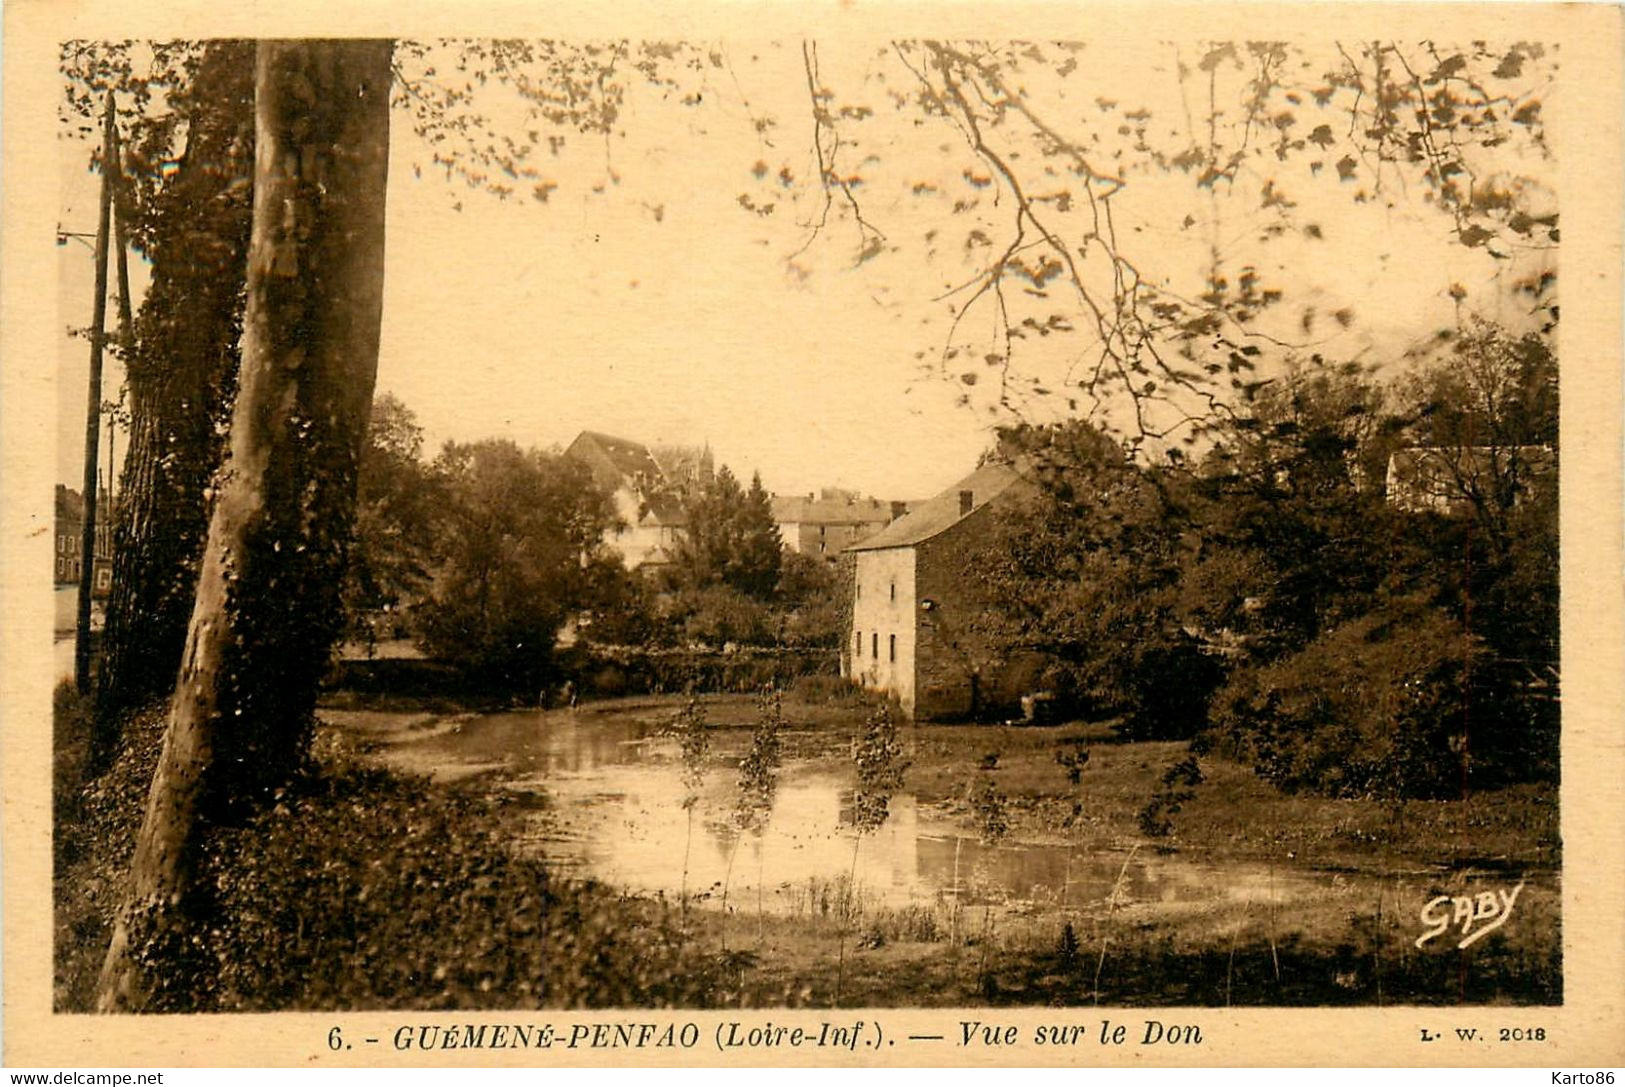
{"type": "Point", "coordinates": [857, 647]}
{"type": "Point", "coordinates": [894, 590]}
{"type": "Point", "coordinates": [874, 644]}
{"type": "Point", "coordinates": [891, 647]}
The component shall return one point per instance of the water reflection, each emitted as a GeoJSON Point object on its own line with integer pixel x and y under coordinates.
{"type": "Point", "coordinates": [615, 811]}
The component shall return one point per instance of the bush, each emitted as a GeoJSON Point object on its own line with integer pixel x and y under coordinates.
{"type": "Point", "coordinates": [718, 615]}
{"type": "Point", "coordinates": [611, 671]}
{"type": "Point", "coordinates": [826, 687]}
{"type": "Point", "coordinates": [1374, 707]}
{"type": "Point", "coordinates": [376, 892]}
{"type": "Point", "coordinates": [1169, 685]}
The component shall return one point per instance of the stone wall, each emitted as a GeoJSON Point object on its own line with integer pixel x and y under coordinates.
{"type": "Point", "coordinates": [883, 616]}
{"type": "Point", "coordinates": [953, 656]}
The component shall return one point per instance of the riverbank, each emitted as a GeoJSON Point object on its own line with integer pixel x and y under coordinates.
{"type": "Point", "coordinates": [405, 871]}
{"type": "Point", "coordinates": [358, 889]}
{"type": "Point", "coordinates": [1254, 896]}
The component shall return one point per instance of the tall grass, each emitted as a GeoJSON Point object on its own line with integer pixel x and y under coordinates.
{"type": "Point", "coordinates": [689, 726]}
{"type": "Point", "coordinates": [758, 785]}
{"type": "Point", "coordinates": [1111, 909]}
{"type": "Point", "coordinates": [987, 803]}
{"type": "Point", "coordinates": [878, 759]}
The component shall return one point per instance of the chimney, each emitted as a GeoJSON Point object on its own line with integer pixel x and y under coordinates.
{"type": "Point", "coordinates": [898, 509]}
{"type": "Point", "coordinates": [967, 499]}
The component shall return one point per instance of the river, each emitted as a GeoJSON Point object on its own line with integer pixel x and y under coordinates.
{"type": "Point", "coordinates": [606, 795]}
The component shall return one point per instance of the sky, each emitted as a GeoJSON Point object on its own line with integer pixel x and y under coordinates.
{"type": "Point", "coordinates": [644, 298]}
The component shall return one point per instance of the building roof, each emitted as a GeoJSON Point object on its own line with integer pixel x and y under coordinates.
{"type": "Point", "coordinates": [614, 461]}
{"type": "Point", "coordinates": [664, 509]}
{"type": "Point", "coordinates": [826, 509]}
{"type": "Point", "coordinates": [936, 515]}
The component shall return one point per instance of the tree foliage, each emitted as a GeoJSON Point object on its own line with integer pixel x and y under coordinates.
{"type": "Point", "coordinates": [514, 541]}
{"type": "Point", "coordinates": [809, 601]}
{"type": "Point", "coordinates": [1054, 181]}
{"type": "Point", "coordinates": [1387, 643]}
{"type": "Point", "coordinates": [397, 505]}
{"type": "Point", "coordinates": [1297, 534]}
{"type": "Point", "coordinates": [1371, 638]}
{"type": "Point", "coordinates": [1486, 415]}
{"type": "Point", "coordinates": [1087, 573]}
{"type": "Point", "coordinates": [730, 540]}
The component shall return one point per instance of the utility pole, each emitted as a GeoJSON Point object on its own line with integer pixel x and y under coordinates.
{"type": "Point", "coordinates": [93, 405]}
{"type": "Point", "coordinates": [123, 215]}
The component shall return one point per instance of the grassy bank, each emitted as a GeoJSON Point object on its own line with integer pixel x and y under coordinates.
{"type": "Point", "coordinates": [358, 889]}
{"type": "Point", "coordinates": [1336, 953]}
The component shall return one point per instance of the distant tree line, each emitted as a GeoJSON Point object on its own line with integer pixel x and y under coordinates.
{"type": "Point", "coordinates": [1274, 596]}
{"type": "Point", "coordinates": [485, 554]}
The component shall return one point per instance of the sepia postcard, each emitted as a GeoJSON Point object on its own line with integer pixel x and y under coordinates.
{"type": "Point", "coordinates": [749, 534]}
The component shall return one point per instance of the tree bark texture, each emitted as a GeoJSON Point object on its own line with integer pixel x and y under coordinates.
{"type": "Point", "coordinates": [181, 375]}
{"type": "Point", "coordinates": [267, 607]}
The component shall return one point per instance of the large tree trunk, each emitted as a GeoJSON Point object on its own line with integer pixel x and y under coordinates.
{"type": "Point", "coordinates": [181, 378]}
{"type": "Point", "coordinates": [267, 606]}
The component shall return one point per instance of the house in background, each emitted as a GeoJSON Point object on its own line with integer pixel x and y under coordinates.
{"type": "Point", "coordinates": [1448, 479]}
{"type": "Point", "coordinates": [688, 469]}
{"type": "Point", "coordinates": [827, 523]}
{"type": "Point", "coordinates": [69, 532]}
{"type": "Point", "coordinates": [647, 505]}
{"type": "Point", "coordinates": [914, 630]}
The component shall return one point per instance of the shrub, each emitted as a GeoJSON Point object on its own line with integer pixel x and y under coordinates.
{"type": "Point", "coordinates": [1374, 707]}
{"type": "Point", "coordinates": [377, 893]}
{"type": "Point", "coordinates": [822, 687]}
{"type": "Point", "coordinates": [718, 615]}
{"type": "Point", "coordinates": [1177, 788]}
{"type": "Point", "coordinates": [1169, 685]}
{"type": "Point", "coordinates": [615, 670]}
